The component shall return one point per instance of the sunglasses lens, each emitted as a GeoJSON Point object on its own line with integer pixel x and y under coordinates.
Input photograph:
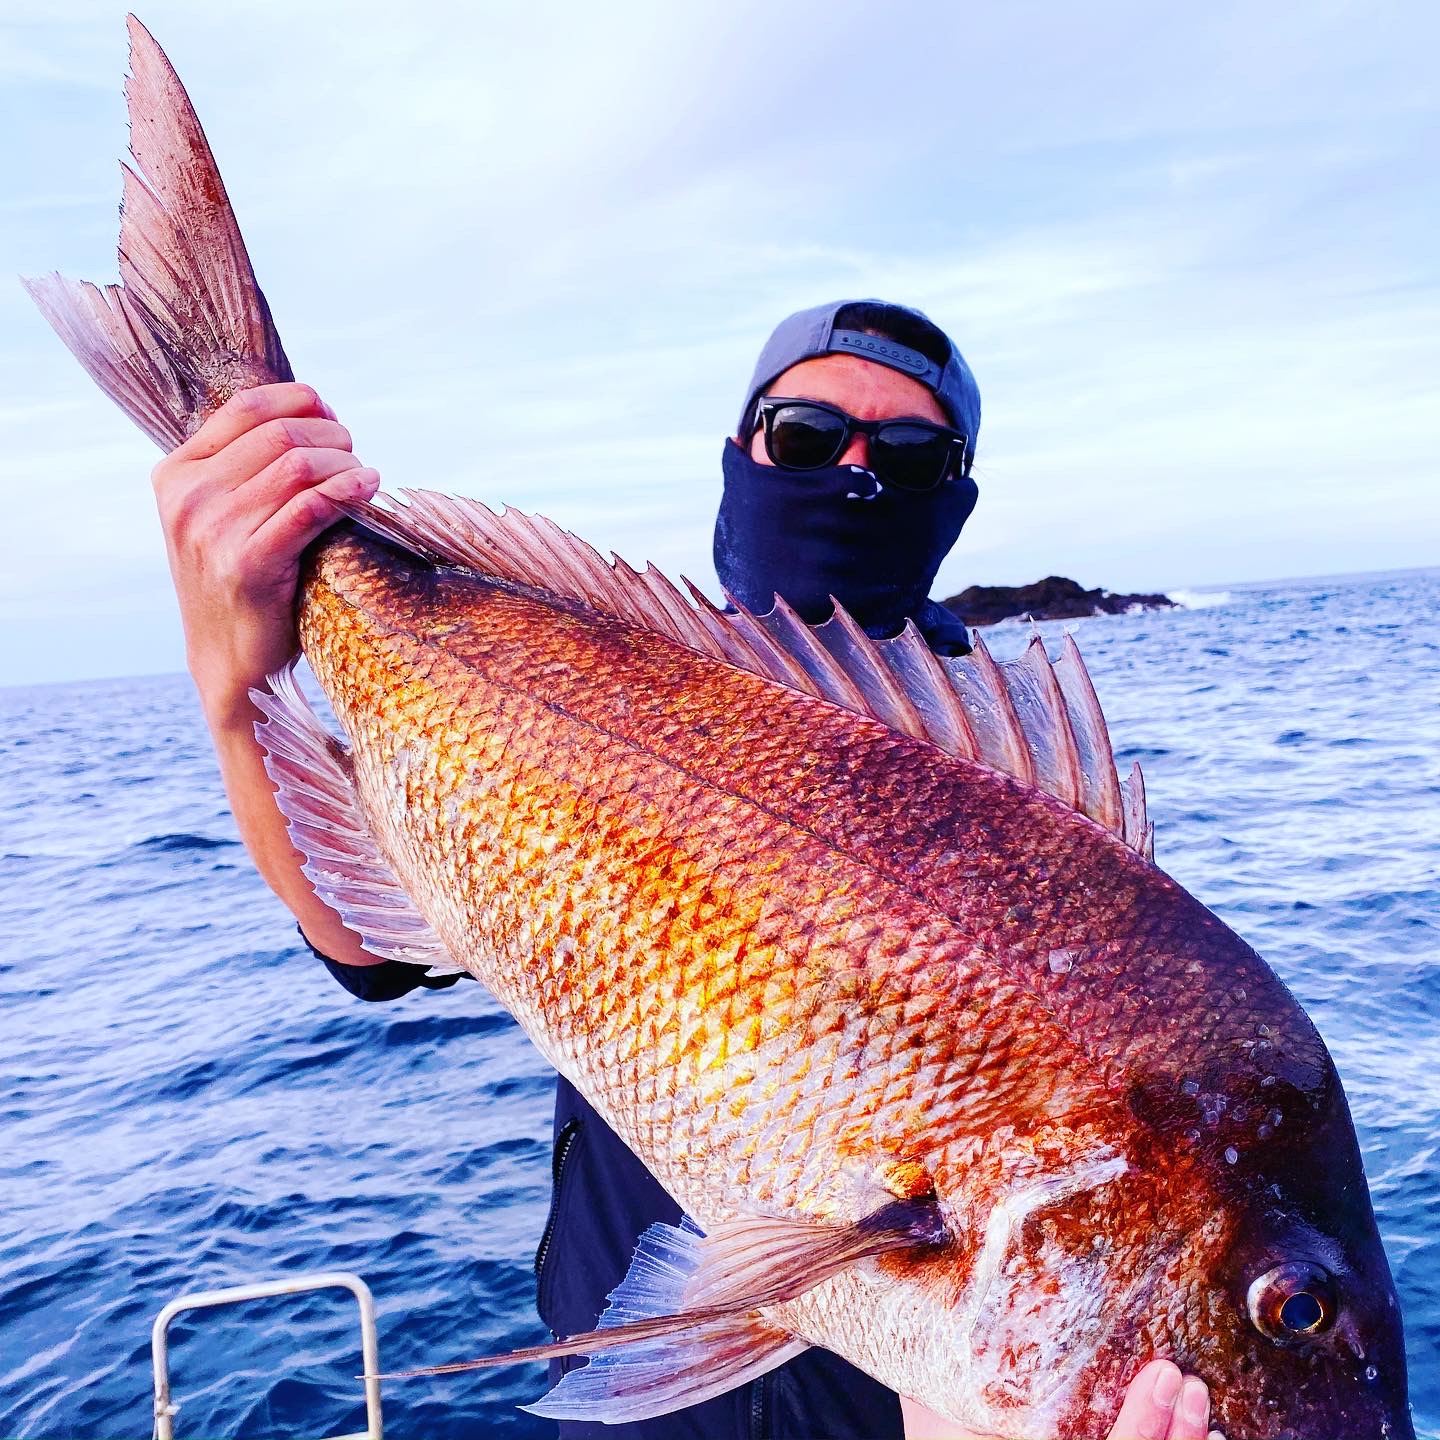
{"type": "Point", "coordinates": [804, 437]}
{"type": "Point", "coordinates": [911, 457]}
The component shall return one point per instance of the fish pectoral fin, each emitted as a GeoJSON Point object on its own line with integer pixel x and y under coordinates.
{"type": "Point", "coordinates": [683, 1326]}
{"type": "Point", "coordinates": [646, 1368]}
{"type": "Point", "coordinates": [756, 1261]}
{"type": "Point", "coordinates": [314, 791]}
{"type": "Point", "coordinates": [742, 1265]}
{"type": "Point", "coordinates": [649, 1355]}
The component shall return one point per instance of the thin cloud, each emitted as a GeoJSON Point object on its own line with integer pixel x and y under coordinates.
{"type": "Point", "coordinates": [1189, 257]}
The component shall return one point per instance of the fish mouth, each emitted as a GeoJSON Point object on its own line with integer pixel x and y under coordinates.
{"type": "Point", "coordinates": [1348, 1408]}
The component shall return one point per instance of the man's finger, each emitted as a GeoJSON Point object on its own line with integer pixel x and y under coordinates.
{"type": "Point", "coordinates": [257, 500]}
{"type": "Point", "coordinates": [1191, 1419]}
{"type": "Point", "coordinates": [251, 452]}
{"type": "Point", "coordinates": [1149, 1403]}
{"type": "Point", "coordinates": [278, 542]}
{"type": "Point", "coordinates": [245, 410]}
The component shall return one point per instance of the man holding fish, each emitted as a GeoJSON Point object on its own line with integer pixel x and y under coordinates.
{"type": "Point", "coordinates": [850, 477]}
{"type": "Point", "coordinates": [859, 945]}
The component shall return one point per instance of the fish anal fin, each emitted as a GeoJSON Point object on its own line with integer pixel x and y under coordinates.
{"type": "Point", "coordinates": [315, 792]}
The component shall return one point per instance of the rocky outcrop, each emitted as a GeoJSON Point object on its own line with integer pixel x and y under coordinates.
{"type": "Point", "coordinates": [1053, 598]}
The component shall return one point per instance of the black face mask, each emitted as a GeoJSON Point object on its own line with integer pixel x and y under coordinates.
{"type": "Point", "coordinates": [811, 534]}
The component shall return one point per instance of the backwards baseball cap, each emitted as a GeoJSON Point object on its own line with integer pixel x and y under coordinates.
{"type": "Point", "coordinates": [906, 341]}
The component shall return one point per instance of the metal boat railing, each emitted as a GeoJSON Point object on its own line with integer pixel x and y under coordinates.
{"type": "Point", "coordinates": [166, 1406]}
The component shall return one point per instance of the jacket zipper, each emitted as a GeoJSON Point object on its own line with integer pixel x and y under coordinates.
{"type": "Point", "coordinates": [564, 1142]}
{"type": "Point", "coordinates": [757, 1409]}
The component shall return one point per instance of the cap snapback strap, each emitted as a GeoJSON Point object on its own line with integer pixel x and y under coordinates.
{"type": "Point", "coordinates": [886, 352]}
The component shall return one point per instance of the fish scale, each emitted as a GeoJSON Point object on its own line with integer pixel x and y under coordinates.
{"type": "Point", "coordinates": [849, 931]}
{"type": "Point", "coordinates": [862, 952]}
{"type": "Point", "coordinates": [935, 880]}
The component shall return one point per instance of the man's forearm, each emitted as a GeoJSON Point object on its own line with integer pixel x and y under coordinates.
{"type": "Point", "coordinates": [239, 501]}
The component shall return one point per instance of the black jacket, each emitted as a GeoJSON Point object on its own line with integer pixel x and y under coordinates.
{"type": "Point", "coordinates": [603, 1199]}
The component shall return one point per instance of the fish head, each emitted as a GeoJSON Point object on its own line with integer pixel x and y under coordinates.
{"type": "Point", "coordinates": [1318, 1348]}
{"type": "Point", "coordinates": [1251, 1258]}
{"type": "Point", "coordinates": [1295, 1326]}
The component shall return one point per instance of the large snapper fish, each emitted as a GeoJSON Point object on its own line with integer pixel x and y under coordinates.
{"type": "Point", "coordinates": [863, 953]}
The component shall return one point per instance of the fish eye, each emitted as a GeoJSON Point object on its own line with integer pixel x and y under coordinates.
{"type": "Point", "coordinates": [1293, 1301]}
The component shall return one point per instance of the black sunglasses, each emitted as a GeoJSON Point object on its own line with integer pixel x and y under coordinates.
{"type": "Point", "coordinates": [909, 454]}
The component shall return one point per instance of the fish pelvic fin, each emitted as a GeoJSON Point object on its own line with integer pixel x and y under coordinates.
{"type": "Point", "coordinates": [187, 327]}
{"type": "Point", "coordinates": [315, 791]}
{"type": "Point", "coordinates": [642, 1370]}
{"type": "Point", "coordinates": [687, 1321]}
{"type": "Point", "coordinates": [724, 1345]}
{"type": "Point", "coordinates": [1033, 718]}
{"type": "Point", "coordinates": [657, 1377]}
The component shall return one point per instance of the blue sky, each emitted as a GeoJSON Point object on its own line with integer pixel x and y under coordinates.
{"type": "Point", "coordinates": [529, 254]}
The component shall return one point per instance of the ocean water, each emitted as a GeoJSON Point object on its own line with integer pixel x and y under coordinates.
{"type": "Point", "coordinates": [187, 1100]}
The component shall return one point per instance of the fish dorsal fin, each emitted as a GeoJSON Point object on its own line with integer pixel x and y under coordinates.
{"type": "Point", "coordinates": [1033, 718]}
{"type": "Point", "coordinates": [188, 327]}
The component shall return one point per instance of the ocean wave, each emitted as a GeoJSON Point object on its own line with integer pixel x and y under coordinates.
{"type": "Point", "coordinates": [182, 840]}
{"type": "Point", "coordinates": [1200, 599]}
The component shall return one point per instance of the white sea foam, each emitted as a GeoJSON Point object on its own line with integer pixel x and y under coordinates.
{"type": "Point", "coordinates": [1200, 599]}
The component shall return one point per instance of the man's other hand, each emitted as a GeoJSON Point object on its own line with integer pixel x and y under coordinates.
{"type": "Point", "coordinates": [1161, 1404]}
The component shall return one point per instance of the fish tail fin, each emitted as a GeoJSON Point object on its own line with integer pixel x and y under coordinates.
{"type": "Point", "coordinates": [187, 327]}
